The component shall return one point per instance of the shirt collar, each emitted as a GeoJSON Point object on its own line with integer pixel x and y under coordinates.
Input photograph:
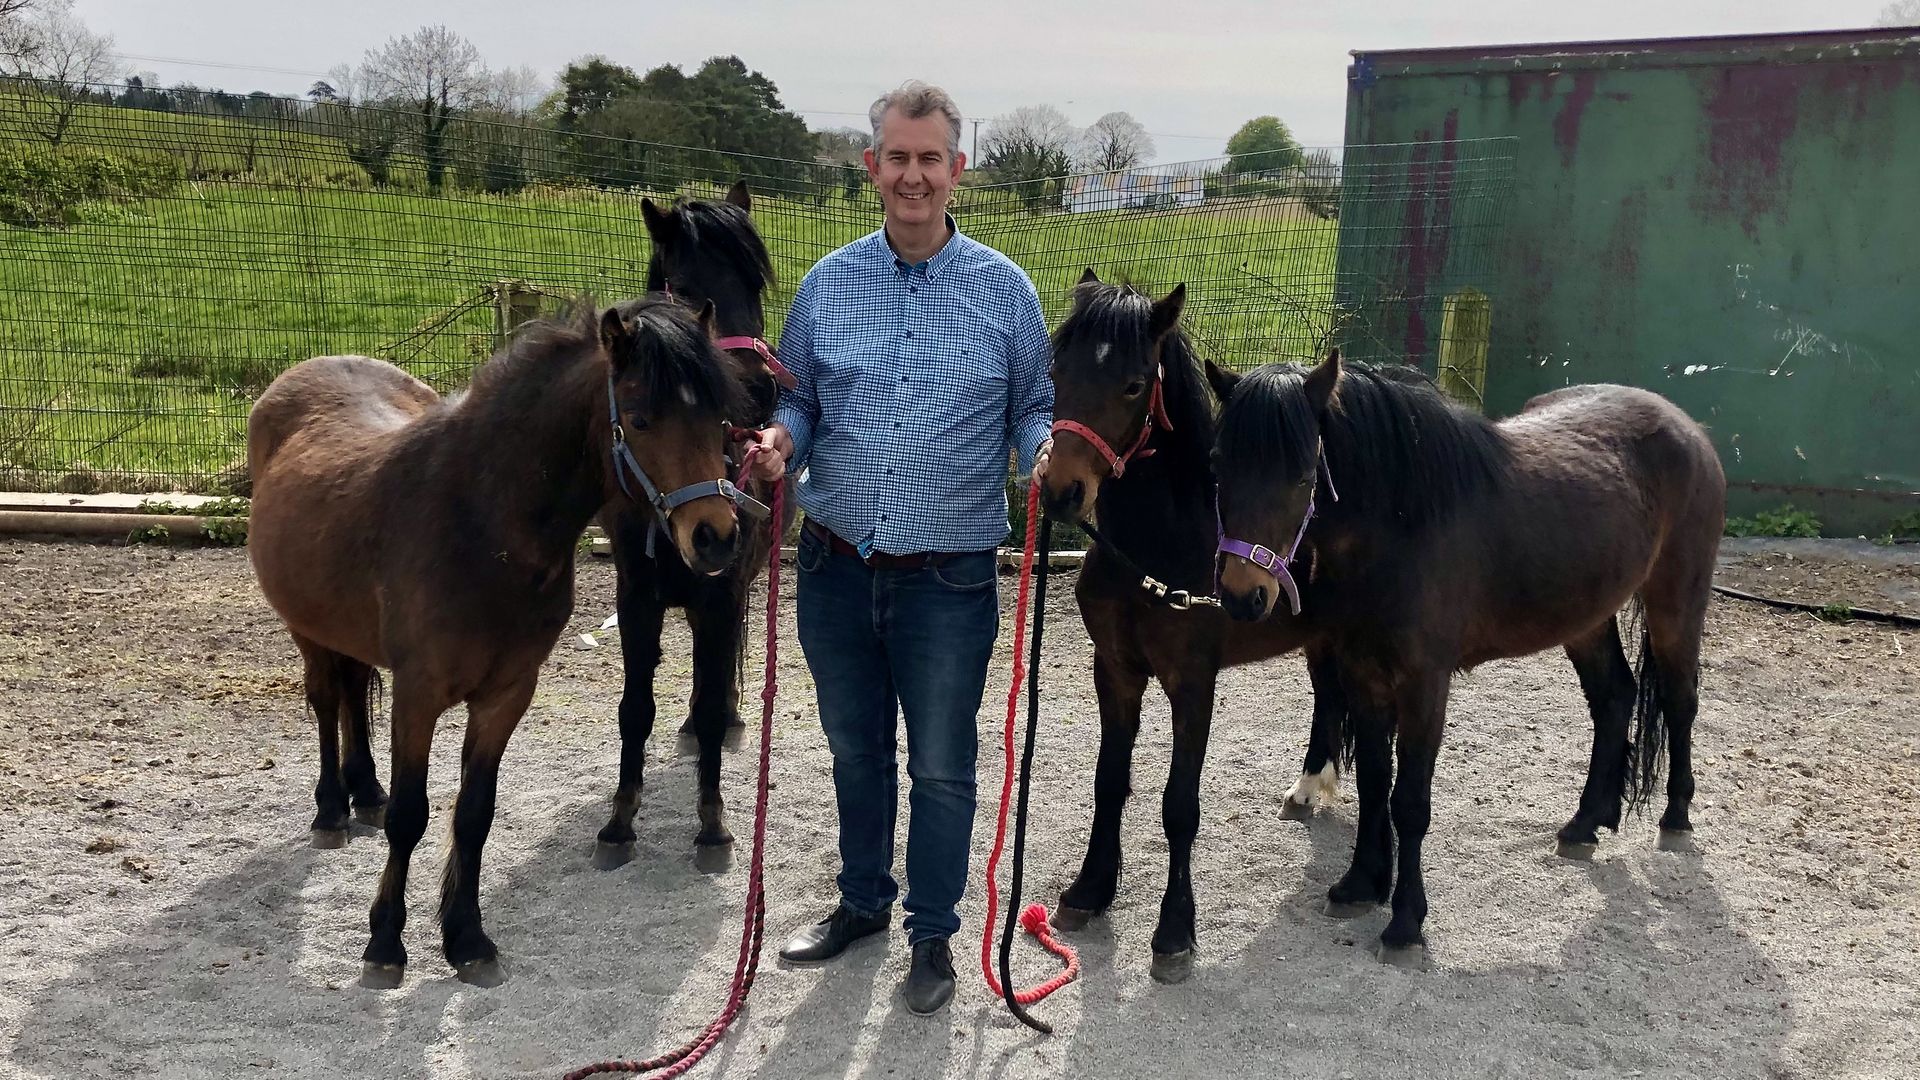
{"type": "Point", "coordinates": [940, 259]}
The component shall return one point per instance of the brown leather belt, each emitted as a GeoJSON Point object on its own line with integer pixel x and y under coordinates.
{"type": "Point", "coordinates": [879, 560]}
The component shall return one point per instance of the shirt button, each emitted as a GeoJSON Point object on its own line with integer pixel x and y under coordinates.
{"type": "Point", "coordinates": [909, 333]}
{"type": "Point", "coordinates": [896, 424]}
{"type": "Point", "coordinates": [883, 517]}
{"type": "Point", "coordinates": [889, 470]}
{"type": "Point", "coordinates": [913, 288]}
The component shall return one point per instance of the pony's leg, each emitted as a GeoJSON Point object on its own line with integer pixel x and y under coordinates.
{"type": "Point", "coordinates": [715, 616]}
{"type": "Point", "coordinates": [641, 614]}
{"type": "Point", "coordinates": [363, 780]}
{"type": "Point", "coordinates": [415, 712]}
{"type": "Point", "coordinates": [1676, 620]}
{"type": "Point", "coordinates": [1607, 681]}
{"type": "Point", "coordinates": [1319, 779]}
{"type": "Point", "coordinates": [1191, 693]}
{"type": "Point", "coordinates": [1369, 878]}
{"type": "Point", "coordinates": [491, 718]}
{"type": "Point", "coordinates": [1422, 718]}
{"type": "Point", "coordinates": [323, 682]}
{"type": "Point", "coordinates": [1119, 688]}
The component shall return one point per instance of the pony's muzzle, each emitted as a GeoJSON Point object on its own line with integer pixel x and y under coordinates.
{"type": "Point", "coordinates": [712, 541]}
{"type": "Point", "coordinates": [1247, 594]}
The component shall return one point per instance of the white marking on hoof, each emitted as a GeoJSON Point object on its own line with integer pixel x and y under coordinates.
{"type": "Point", "coordinates": [1315, 789]}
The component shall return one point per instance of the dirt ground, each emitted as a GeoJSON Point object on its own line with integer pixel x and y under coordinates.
{"type": "Point", "coordinates": [162, 914]}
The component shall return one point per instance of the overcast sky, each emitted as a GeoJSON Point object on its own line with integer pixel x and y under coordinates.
{"type": "Point", "coordinates": [1190, 70]}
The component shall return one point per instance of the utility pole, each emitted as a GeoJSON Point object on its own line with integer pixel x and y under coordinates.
{"type": "Point", "coordinates": [974, 157]}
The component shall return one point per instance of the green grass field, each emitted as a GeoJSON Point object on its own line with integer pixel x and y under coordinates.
{"type": "Point", "coordinates": [132, 345]}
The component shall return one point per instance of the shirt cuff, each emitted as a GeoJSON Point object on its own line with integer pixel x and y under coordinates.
{"type": "Point", "coordinates": [800, 429]}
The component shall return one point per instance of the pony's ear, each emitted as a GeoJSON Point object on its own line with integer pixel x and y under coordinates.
{"type": "Point", "coordinates": [1089, 278]}
{"type": "Point", "coordinates": [1166, 312]}
{"type": "Point", "coordinates": [658, 226]}
{"type": "Point", "coordinates": [1222, 380]}
{"type": "Point", "coordinates": [616, 337]}
{"type": "Point", "coordinates": [737, 195]}
{"type": "Point", "coordinates": [707, 319]}
{"type": "Point", "coordinates": [1322, 381]}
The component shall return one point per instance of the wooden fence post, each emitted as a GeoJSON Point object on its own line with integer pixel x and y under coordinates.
{"type": "Point", "coordinates": [514, 303]}
{"type": "Point", "coordinates": [1466, 323]}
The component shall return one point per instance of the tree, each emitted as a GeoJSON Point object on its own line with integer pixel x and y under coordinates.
{"type": "Point", "coordinates": [322, 90]}
{"type": "Point", "coordinates": [515, 91]}
{"type": "Point", "coordinates": [589, 86]}
{"type": "Point", "coordinates": [1900, 13]}
{"type": "Point", "coordinates": [434, 73]}
{"type": "Point", "coordinates": [1263, 144]}
{"type": "Point", "coordinates": [369, 130]}
{"type": "Point", "coordinates": [1031, 148]}
{"type": "Point", "coordinates": [54, 62]}
{"type": "Point", "coordinates": [1115, 143]}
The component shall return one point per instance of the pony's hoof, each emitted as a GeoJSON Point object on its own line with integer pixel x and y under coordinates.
{"type": "Point", "coordinates": [1170, 968]}
{"type": "Point", "coordinates": [1407, 957]}
{"type": "Point", "coordinates": [611, 856]}
{"type": "Point", "coordinates": [374, 816]}
{"type": "Point", "coordinates": [485, 974]}
{"type": "Point", "coordinates": [1295, 811]}
{"type": "Point", "coordinates": [1068, 919]}
{"type": "Point", "coordinates": [713, 858]}
{"type": "Point", "coordinates": [1676, 840]}
{"type": "Point", "coordinates": [382, 976]}
{"type": "Point", "coordinates": [1350, 909]}
{"type": "Point", "coordinates": [1577, 850]}
{"type": "Point", "coordinates": [329, 839]}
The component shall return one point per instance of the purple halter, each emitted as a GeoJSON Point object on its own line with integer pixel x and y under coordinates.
{"type": "Point", "coordinates": [1265, 557]}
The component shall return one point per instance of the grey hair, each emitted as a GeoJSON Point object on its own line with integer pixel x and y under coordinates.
{"type": "Point", "coordinates": [916, 99]}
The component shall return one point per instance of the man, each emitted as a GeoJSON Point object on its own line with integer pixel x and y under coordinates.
{"type": "Point", "coordinates": [920, 357]}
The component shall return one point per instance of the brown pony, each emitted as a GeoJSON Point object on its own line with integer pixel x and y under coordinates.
{"type": "Point", "coordinates": [391, 528]}
{"type": "Point", "coordinates": [1454, 540]}
{"type": "Point", "coordinates": [1124, 377]}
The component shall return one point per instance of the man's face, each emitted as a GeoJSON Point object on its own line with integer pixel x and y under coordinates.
{"type": "Point", "coordinates": [913, 169]}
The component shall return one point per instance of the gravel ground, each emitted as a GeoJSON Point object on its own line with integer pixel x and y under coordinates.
{"type": "Point", "coordinates": [162, 915]}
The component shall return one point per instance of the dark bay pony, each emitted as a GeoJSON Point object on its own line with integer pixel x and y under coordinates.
{"type": "Point", "coordinates": [391, 528]}
{"type": "Point", "coordinates": [1456, 540]}
{"type": "Point", "coordinates": [703, 253]}
{"type": "Point", "coordinates": [1124, 377]}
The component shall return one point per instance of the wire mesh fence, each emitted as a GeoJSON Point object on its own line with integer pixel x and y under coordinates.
{"type": "Point", "coordinates": [164, 254]}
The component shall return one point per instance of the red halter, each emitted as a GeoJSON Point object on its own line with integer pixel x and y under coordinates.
{"type": "Point", "coordinates": [1156, 410]}
{"type": "Point", "coordinates": [774, 367]}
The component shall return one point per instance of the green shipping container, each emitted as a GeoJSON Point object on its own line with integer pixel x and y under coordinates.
{"type": "Point", "coordinates": [1732, 222]}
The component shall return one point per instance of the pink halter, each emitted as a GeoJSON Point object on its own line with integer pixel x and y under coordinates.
{"type": "Point", "coordinates": [1117, 463]}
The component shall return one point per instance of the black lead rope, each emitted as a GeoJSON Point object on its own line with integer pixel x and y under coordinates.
{"type": "Point", "coordinates": [1026, 775]}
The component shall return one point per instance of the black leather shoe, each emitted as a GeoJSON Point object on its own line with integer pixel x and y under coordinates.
{"type": "Point", "coordinates": [929, 984]}
{"type": "Point", "coordinates": [830, 936]}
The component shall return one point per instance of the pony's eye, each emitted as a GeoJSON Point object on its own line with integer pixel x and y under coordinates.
{"type": "Point", "coordinates": [1136, 388]}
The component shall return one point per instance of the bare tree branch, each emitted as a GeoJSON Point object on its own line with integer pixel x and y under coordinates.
{"type": "Point", "coordinates": [1115, 143]}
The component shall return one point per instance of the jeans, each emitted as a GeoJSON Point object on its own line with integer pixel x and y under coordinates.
{"type": "Point", "coordinates": [882, 643]}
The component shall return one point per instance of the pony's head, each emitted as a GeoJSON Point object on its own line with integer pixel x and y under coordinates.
{"type": "Point", "coordinates": [1268, 465]}
{"type": "Point", "coordinates": [1107, 394]}
{"type": "Point", "coordinates": [710, 252]}
{"type": "Point", "coordinates": [673, 395]}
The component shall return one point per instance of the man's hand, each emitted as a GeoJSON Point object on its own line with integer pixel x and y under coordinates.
{"type": "Point", "coordinates": [775, 446]}
{"type": "Point", "coordinates": [1040, 459]}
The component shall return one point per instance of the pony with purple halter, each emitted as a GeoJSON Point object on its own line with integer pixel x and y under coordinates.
{"type": "Point", "coordinates": [1274, 563]}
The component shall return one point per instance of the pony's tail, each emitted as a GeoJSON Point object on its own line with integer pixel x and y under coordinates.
{"type": "Point", "coordinates": [1648, 734]}
{"type": "Point", "coordinates": [376, 695]}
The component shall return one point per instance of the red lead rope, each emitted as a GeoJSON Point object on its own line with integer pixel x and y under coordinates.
{"type": "Point", "coordinates": [1034, 918]}
{"type": "Point", "coordinates": [676, 1062]}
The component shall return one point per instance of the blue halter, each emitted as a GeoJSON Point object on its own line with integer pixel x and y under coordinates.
{"type": "Point", "coordinates": [663, 504]}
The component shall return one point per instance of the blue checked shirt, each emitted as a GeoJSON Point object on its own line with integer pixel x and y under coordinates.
{"type": "Point", "coordinates": [913, 384]}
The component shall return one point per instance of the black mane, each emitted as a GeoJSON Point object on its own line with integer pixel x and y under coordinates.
{"type": "Point", "coordinates": [718, 230]}
{"type": "Point", "coordinates": [1118, 315]}
{"type": "Point", "coordinates": [1396, 447]}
